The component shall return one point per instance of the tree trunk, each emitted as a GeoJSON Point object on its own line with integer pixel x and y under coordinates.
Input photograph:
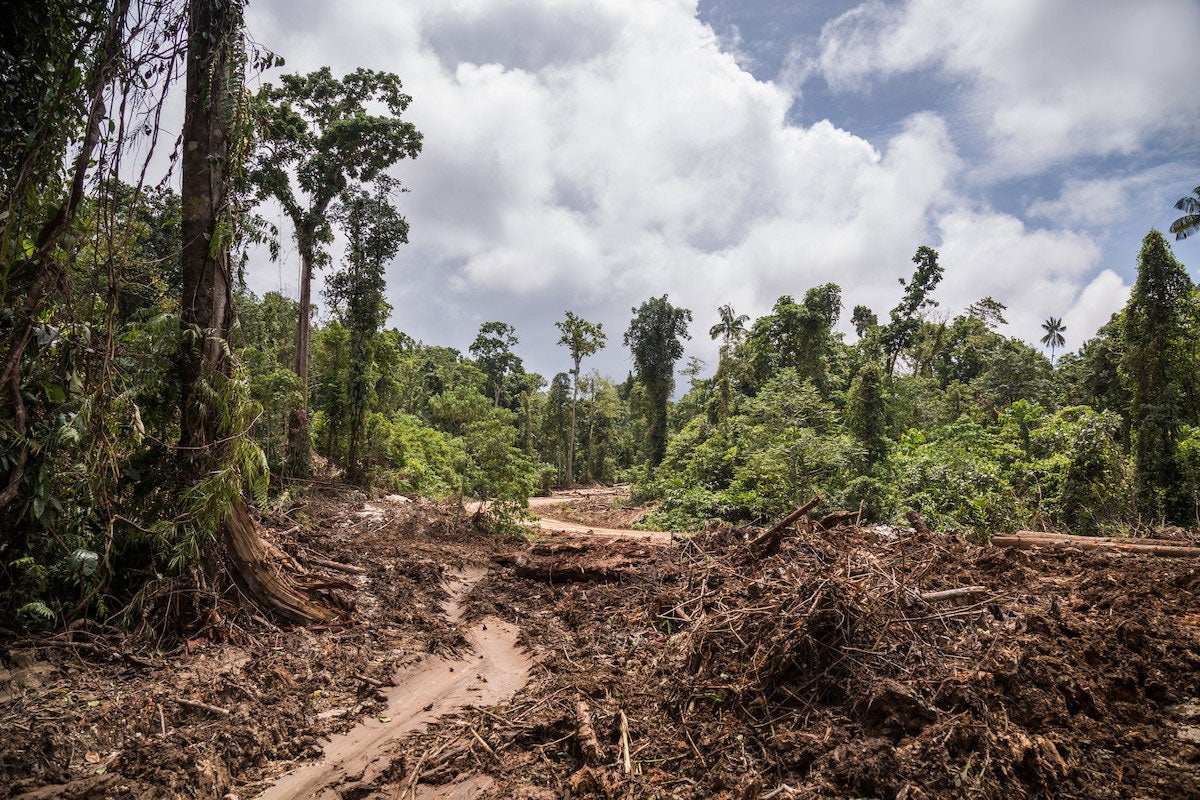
{"type": "Point", "coordinates": [571, 440]}
{"type": "Point", "coordinates": [207, 304]}
{"type": "Point", "coordinates": [656, 436]}
{"type": "Point", "coordinates": [299, 445]}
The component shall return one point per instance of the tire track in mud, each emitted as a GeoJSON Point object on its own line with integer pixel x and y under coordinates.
{"type": "Point", "coordinates": [493, 670]}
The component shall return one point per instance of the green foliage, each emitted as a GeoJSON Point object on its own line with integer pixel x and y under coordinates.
{"type": "Point", "coordinates": [779, 448]}
{"type": "Point", "coordinates": [953, 477]}
{"type": "Point", "coordinates": [797, 335]}
{"type": "Point", "coordinates": [905, 321]}
{"type": "Point", "coordinates": [655, 339]}
{"type": "Point", "coordinates": [1189, 223]}
{"type": "Point", "coordinates": [1154, 329]}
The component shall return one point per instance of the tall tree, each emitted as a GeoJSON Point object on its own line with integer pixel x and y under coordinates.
{"type": "Point", "coordinates": [732, 326]}
{"type": "Point", "coordinates": [1189, 223]}
{"type": "Point", "coordinates": [582, 339]}
{"type": "Point", "coordinates": [731, 329]}
{"type": "Point", "coordinates": [905, 321]}
{"type": "Point", "coordinates": [1153, 334]}
{"type": "Point", "coordinates": [798, 335]}
{"type": "Point", "coordinates": [866, 413]}
{"type": "Point", "coordinates": [493, 353]}
{"type": "Point", "coordinates": [317, 139]}
{"type": "Point", "coordinates": [990, 311]}
{"type": "Point", "coordinates": [206, 441]}
{"type": "Point", "coordinates": [655, 338]}
{"type": "Point", "coordinates": [1054, 335]}
{"type": "Point", "coordinates": [374, 232]}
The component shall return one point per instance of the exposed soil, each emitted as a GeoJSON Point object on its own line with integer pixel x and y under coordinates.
{"type": "Point", "coordinates": [688, 668]}
{"type": "Point", "coordinates": [606, 508]}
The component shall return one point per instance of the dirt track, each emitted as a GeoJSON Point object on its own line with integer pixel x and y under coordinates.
{"type": "Point", "coordinates": [491, 670]}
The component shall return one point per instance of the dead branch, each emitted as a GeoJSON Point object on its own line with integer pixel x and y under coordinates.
{"type": "Point", "coordinates": [350, 569]}
{"type": "Point", "coordinates": [952, 594]}
{"type": "Point", "coordinates": [768, 540]}
{"type": "Point", "coordinates": [221, 712]}
{"type": "Point", "coordinates": [585, 732]}
{"type": "Point", "coordinates": [918, 524]}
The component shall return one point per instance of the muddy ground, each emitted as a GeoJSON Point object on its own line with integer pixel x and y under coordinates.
{"type": "Point", "coordinates": [697, 668]}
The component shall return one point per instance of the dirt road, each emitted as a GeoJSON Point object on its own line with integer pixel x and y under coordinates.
{"type": "Point", "coordinates": [489, 672]}
{"type": "Point", "coordinates": [547, 521]}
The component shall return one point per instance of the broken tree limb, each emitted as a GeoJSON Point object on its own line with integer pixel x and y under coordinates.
{"type": "Point", "coordinates": [221, 712]}
{"type": "Point", "coordinates": [585, 732]}
{"type": "Point", "coordinates": [768, 539]}
{"type": "Point", "coordinates": [337, 566]}
{"type": "Point", "coordinates": [1026, 540]}
{"type": "Point", "coordinates": [952, 594]}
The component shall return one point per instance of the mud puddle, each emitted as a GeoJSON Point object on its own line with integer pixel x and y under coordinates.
{"type": "Point", "coordinates": [489, 672]}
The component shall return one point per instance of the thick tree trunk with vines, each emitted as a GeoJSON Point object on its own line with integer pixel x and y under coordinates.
{"type": "Point", "coordinates": [207, 307]}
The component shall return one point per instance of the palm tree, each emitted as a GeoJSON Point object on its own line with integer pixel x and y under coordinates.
{"type": "Point", "coordinates": [1054, 335]}
{"type": "Point", "coordinates": [732, 325]}
{"type": "Point", "coordinates": [1189, 223]}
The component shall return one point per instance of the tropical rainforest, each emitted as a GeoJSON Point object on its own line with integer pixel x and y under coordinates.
{"type": "Point", "coordinates": [275, 546]}
{"type": "Point", "coordinates": [149, 399]}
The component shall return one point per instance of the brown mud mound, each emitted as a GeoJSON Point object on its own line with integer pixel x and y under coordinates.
{"type": "Point", "coordinates": [95, 714]}
{"type": "Point", "coordinates": [831, 669]}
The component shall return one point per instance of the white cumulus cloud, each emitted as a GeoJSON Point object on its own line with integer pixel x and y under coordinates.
{"type": "Point", "coordinates": [589, 155]}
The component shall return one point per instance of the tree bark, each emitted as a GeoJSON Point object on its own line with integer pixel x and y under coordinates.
{"type": "Point", "coordinates": [299, 444]}
{"type": "Point", "coordinates": [207, 304]}
{"type": "Point", "coordinates": [571, 440]}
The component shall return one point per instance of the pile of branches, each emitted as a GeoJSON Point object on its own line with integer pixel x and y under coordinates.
{"type": "Point", "coordinates": [822, 620]}
{"type": "Point", "coordinates": [859, 675]}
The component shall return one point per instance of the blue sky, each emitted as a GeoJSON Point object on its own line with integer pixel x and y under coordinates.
{"type": "Point", "coordinates": [588, 155]}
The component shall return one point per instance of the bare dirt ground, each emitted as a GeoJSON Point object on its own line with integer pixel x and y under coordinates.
{"type": "Point", "coordinates": [689, 668]}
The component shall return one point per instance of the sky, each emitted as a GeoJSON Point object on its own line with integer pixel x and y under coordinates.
{"type": "Point", "coordinates": [586, 155]}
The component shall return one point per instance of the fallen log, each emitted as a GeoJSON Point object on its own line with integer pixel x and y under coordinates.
{"type": "Point", "coordinates": [1119, 539]}
{"type": "Point", "coordinates": [1063, 541]}
{"type": "Point", "coordinates": [768, 539]}
{"type": "Point", "coordinates": [559, 572]}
